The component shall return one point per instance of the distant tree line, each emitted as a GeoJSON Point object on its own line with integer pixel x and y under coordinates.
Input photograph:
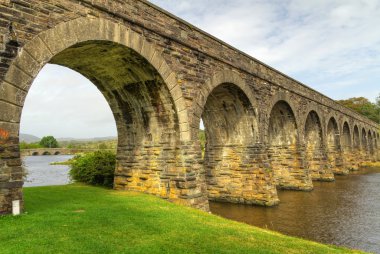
{"type": "Point", "coordinates": [45, 142]}
{"type": "Point", "coordinates": [364, 106]}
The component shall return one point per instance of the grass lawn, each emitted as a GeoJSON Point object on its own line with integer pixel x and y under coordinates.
{"type": "Point", "coordinates": [83, 219]}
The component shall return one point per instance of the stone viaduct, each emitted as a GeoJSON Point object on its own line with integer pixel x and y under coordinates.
{"type": "Point", "coordinates": [57, 151]}
{"type": "Point", "coordinates": [161, 76]}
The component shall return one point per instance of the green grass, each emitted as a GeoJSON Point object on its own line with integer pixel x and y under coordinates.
{"type": "Point", "coordinates": [83, 219]}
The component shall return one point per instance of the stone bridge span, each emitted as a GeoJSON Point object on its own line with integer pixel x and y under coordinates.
{"type": "Point", "coordinates": [161, 76]}
{"type": "Point", "coordinates": [57, 151]}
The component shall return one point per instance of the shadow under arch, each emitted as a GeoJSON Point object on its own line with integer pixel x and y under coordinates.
{"type": "Point", "coordinates": [283, 148]}
{"type": "Point", "coordinates": [315, 150]}
{"type": "Point", "coordinates": [334, 147]}
{"type": "Point", "coordinates": [135, 79]}
{"type": "Point", "coordinates": [231, 127]}
{"type": "Point", "coordinates": [364, 141]}
{"type": "Point", "coordinates": [356, 138]}
{"type": "Point", "coordinates": [370, 144]}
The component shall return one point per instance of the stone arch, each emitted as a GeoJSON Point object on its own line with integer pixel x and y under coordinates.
{"type": "Point", "coordinates": [356, 138]}
{"type": "Point", "coordinates": [231, 126]}
{"type": "Point", "coordinates": [41, 49]}
{"type": "Point", "coordinates": [370, 143]}
{"type": "Point", "coordinates": [349, 157]}
{"type": "Point", "coordinates": [46, 153]}
{"type": "Point", "coordinates": [164, 104]}
{"type": "Point", "coordinates": [316, 112]}
{"type": "Point", "coordinates": [376, 145]}
{"type": "Point", "coordinates": [364, 140]}
{"type": "Point", "coordinates": [221, 77]}
{"type": "Point", "coordinates": [315, 153]}
{"type": "Point", "coordinates": [57, 153]}
{"type": "Point", "coordinates": [346, 137]}
{"type": "Point", "coordinates": [334, 153]}
{"type": "Point", "coordinates": [283, 97]}
{"type": "Point", "coordinates": [283, 147]}
{"type": "Point", "coordinates": [375, 138]}
{"type": "Point", "coordinates": [333, 135]}
{"type": "Point", "coordinates": [35, 153]}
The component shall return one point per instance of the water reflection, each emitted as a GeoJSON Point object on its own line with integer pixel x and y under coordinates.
{"type": "Point", "coordinates": [41, 173]}
{"type": "Point", "coordinates": [345, 212]}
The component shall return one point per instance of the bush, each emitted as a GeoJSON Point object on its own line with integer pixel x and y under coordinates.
{"type": "Point", "coordinates": [94, 168]}
{"type": "Point", "coordinates": [24, 145]}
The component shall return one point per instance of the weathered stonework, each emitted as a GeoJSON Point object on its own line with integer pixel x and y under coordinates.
{"type": "Point", "coordinates": [161, 76]}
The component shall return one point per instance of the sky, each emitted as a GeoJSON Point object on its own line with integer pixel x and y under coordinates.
{"type": "Point", "coordinates": [333, 46]}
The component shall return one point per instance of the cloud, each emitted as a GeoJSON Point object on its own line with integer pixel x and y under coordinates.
{"type": "Point", "coordinates": [318, 42]}
{"type": "Point", "coordinates": [63, 103]}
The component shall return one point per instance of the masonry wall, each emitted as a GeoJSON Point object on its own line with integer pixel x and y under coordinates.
{"type": "Point", "coordinates": [188, 65]}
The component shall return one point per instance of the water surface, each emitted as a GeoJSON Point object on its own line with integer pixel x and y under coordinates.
{"type": "Point", "coordinates": [41, 173]}
{"type": "Point", "coordinates": [345, 212]}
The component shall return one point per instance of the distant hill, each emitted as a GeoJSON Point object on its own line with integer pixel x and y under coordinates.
{"type": "Point", "coordinates": [86, 139]}
{"type": "Point", "coordinates": [27, 138]}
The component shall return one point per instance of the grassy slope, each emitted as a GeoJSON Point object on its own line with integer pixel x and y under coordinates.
{"type": "Point", "coordinates": [82, 219]}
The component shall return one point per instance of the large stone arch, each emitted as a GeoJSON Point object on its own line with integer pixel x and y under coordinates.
{"type": "Point", "coordinates": [356, 138]}
{"type": "Point", "coordinates": [282, 134]}
{"type": "Point", "coordinates": [229, 114]}
{"type": "Point", "coordinates": [314, 148]}
{"type": "Point", "coordinates": [365, 149]}
{"type": "Point", "coordinates": [41, 49]}
{"type": "Point", "coordinates": [282, 97]}
{"type": "Point", "coordinates": [334, 152]}
{"type": "Point", "coordinates": [376, 146]}
{"type": "Point", "coordinates": [370, 144]}
{"type": "Point", "coordinates": [349, 162]}
{"type": "Point", "coordinates": [346, 137]}
{"type": "Point", "coordinates": [364, 140]}
{"type": "Point", "coordinates": [218, 78]}
{"type": "Point", "coordinates": [54, 45]}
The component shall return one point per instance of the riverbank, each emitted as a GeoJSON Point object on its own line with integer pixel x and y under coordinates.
{"type": "Point", "coordinates": [371, 164]}
{"type": "Point", "coordinates": [83, 219]}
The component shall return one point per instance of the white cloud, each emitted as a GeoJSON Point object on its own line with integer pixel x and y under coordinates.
{"type": "Point", "coordinates": [318, 42]}
{"type": "Point", "coordinates": [63, 103]}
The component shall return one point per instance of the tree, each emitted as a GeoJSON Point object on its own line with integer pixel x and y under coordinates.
{"type": "Point", "coordinates": [49, 142]}
{"type": "Point", "coordinates": [364, 106]}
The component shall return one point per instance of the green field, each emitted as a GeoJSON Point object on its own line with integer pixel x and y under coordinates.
{"type": "Point", "coordinates": [83, 219]}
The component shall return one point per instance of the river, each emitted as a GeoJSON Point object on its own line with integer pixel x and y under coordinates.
{"type": "Point", "coordinates": [41, 173]}
{"type": "Point", "coordinates": [345, 212]}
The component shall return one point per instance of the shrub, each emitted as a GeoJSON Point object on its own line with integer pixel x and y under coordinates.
{"type": "Point", "coordinates": [94, 168]}
{"type": "Point", "coordinates": [24, 145]}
